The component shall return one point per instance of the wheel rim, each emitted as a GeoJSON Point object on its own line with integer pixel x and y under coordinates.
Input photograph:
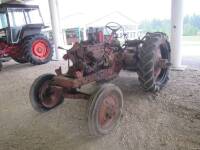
{"type": "Point", "coordinates": [48, 97]}
{"type": "Point", "coordinates": [157, 69]}
{"type": "Point", "coordinates": [108, 112]}
{"type": "Point", "coordinates": [40, 49]}
{"type": "Point", "coordinates": [159, 72]}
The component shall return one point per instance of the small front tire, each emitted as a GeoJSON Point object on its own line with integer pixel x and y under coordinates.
{"type": "Point", "coordinates": [105, 110]}
{"type": "Point", "coordinates": [42, 97]}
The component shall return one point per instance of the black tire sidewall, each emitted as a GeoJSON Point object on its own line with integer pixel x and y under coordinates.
{"type": "Point", "coordinates": [34, 91]}
{"type": "Point", "coordinates": [146, 74]}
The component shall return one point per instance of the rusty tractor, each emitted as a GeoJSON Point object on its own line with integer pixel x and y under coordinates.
{"type": "Point", "coordinates": [100, 62]}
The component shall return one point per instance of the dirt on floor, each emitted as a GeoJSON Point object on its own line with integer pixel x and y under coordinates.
{"type": "Point", "coordinates": [168, 120]}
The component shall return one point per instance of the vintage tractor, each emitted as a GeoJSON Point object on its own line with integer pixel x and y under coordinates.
{"type": "Point", "coordinates": [20, 35]}
{"type": "Point", "coordinates": [90, 61]}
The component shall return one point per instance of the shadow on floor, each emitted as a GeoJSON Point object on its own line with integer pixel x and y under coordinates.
{"type": "Point", "coordinates": [12, 67]}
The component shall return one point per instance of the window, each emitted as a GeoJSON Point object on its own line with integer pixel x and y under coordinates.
{"type": "Point", "coordinates": [3, 21]}
{"type": "Point", "coordinates": [16, 18]}
{"type": "Point", "coordinates": [131, 35]}
{"type": "Point", "coordinates": [33, 16]}
{"type": "Point", "coordinates": [128, 34]}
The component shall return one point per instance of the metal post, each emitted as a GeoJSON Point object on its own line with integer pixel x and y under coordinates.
{"type": "Point", "coordinates": [176, 33]}
{"type": "Point", "coordinates": [55, 25]}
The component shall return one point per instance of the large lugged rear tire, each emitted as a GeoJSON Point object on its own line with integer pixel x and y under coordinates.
{"type": "Point", "coordinates": [37, 49]}
{"type": "Point", "coordinates": [155, 48]}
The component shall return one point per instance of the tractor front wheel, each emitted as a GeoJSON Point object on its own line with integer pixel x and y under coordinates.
{"type": "Point", "coordinates": [37, 49]}
{"type": "Point", "coordinates": [105, 110]}
{"type": "Point", "coordinates": [43, 96]}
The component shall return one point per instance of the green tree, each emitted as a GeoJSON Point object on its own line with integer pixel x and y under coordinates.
{"type": "Point", "coordinates": [189, 30]}
{"type": "Point", "coordinates": [191, 25]}
{"type": "Point", "coordinates": [156, 26]}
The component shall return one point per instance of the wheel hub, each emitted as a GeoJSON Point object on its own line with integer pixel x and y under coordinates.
{"type": "Point", "coordinates": [40, 49]}
{"type": "Point", "coordinates": [157, 68]}
{"type": "Point", "coordinates": [108, 111]}
{"type": "Point", "coordinates": [49, 97]}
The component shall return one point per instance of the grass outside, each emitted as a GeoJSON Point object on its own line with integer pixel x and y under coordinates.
{"type": "Point", "coordinates": [191, 46]}
{"type": "Point", "coordinates": [191, 38]}
{"type": "Point", "coordinates": [193, 41]}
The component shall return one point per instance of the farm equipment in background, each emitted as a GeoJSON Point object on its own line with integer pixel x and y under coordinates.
{"type": "Point", "coordinates": [20, 35]}
{"type": "Point", "coordinates": [95, 34]}
{"type": "Point", "coordinates": [94, 61]}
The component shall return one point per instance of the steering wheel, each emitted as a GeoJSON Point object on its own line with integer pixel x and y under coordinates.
{"type": "Point", "coordinates": [114, 27]}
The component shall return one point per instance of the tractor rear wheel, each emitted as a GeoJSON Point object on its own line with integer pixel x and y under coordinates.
{"type": "Point", "coordinates": [105, 110]}
{"type": "Point", "coordinates": [154, 62]}
{"type": "Point", "coordinates": [37, 49]}
{"type": "Point", "coordinates": [44, 97]}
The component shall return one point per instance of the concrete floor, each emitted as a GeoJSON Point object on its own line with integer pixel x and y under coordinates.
{"type": "Point", "coordinates": [168, 120]}
{"type": "Point", "coordinates": [191, 61]}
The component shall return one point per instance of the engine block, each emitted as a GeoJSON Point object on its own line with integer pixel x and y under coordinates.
{"type": "Point", "coordinates": [89, 58]}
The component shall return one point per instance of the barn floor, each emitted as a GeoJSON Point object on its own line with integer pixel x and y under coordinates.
{"type": "Point", "coordinates": [166, 120]}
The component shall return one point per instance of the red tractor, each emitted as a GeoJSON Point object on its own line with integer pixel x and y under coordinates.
{"type": "Point", "coordinates": [20, 35]}
{"type": "Point", "coordinates": [94, 61]}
